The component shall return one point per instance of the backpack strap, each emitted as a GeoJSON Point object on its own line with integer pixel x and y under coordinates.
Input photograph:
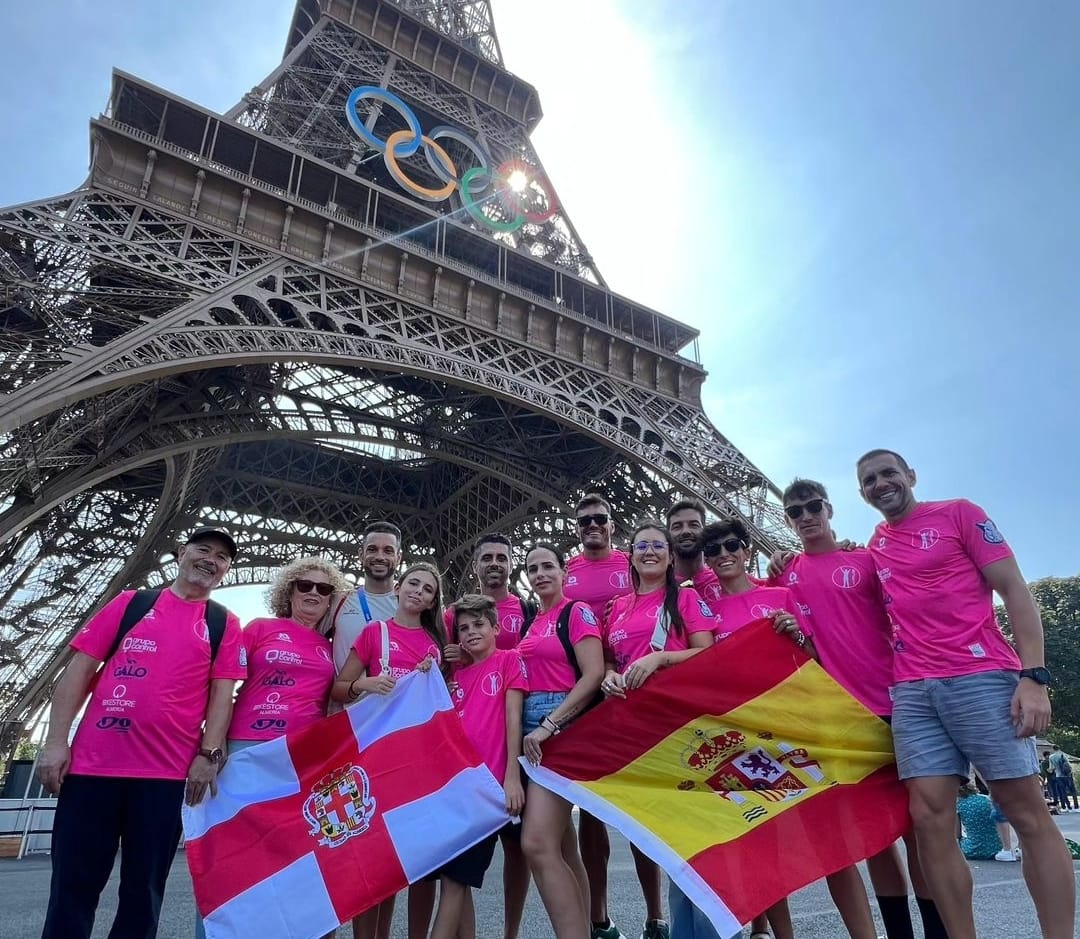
{"type": "Point", "coordinates": [562, 630]}
{"type": "Point", "coordinates": [216, 615]}
{"type": "Point", "coordinates": [361, 595]}
{"type": "Point", "coordinates": [138, 606]}
{"type": "Point", "coordinates": [528, 613]}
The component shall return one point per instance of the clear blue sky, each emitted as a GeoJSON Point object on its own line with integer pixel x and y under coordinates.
{"type": "Point", "coordinates": [870, 210]}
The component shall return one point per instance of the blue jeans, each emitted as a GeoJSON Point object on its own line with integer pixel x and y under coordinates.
{"type": "Point", "coordinates": [538, 704]}
{"type": "Point", "coordinates": [687, 921]}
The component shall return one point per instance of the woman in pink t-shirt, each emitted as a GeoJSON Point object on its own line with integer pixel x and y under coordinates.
{"type": "Point", "coordinates": [659, 625]}
{"type": "Point", "coordinates": [558, 691]}
{"type": "Point", "coordinates": [290, 666]}
{"type": "Point", "coordinates": [383, 653]}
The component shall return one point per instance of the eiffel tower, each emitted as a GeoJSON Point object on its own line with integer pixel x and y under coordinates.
{"type": "Point", "coordinates": [355, 295]}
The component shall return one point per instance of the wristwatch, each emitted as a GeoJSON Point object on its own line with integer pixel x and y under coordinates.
{"type": "Point", "coordinates": [215, 756]}
{"type": "Point", "coordinates": [1040, 674]}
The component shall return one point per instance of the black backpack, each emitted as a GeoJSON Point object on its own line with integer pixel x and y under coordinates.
{"type": "Point", "coordinates": [562, 630]}
{"type": "Point", "coordinates": [142, 602]}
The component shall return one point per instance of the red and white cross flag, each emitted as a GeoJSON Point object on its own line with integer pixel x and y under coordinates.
{"type": "Point", "coordinates": [310, 829]}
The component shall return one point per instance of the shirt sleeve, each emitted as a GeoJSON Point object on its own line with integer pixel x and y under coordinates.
{"type": "Point", "coordinates": [231, 660]}
{"type": "Point", "coordinates": [363, 645]}
{"type": "Point", "coordinates": [583, 624]}
{"type": "Point", "coordinates": [982, 541]}
{"type": "Point", "coordinates": [516, 677]}
{"type": "Point", "coordinates": [97, 636]}
{"type": "Point", "coordinates": [448, 623]}
{"type": "Point", "coordinates": [697, 617]}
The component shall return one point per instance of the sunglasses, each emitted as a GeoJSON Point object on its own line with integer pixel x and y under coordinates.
{"type": "Point", "coordinates": [584, 521]}
{"type": "Point", "coordinates": [306, 586]}
{"type": "Point", "coordinates": [814, 507]}
{"type": "Point", "coordinates": [642, 546]}
{"type": "Point", "coordinates": [713, 548]}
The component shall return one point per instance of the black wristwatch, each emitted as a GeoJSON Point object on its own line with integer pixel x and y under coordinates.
{"type": "Point", "coordinates": [215, 756]}
{"type": "Point", "coordinates": [1040, 674]}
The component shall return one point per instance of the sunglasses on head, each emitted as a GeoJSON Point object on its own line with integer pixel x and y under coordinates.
{"type": "Point", "coordinates": [642, 546]}
{"type": "Point", "coordinates": [814, 507]}
{"type": "Point", "coordinates": [584, 521]}
{"type": "Point", "coordinates": [713, 548]}
{"type": "Point", "coordinates": [306, 586]}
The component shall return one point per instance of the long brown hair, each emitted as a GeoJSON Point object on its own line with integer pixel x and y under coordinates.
{"type": "Point", "coordinates": [431, 619]}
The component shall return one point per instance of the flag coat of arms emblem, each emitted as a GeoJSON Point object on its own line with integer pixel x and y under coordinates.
{"type": "Point", "coordinates": [746, 772]}
{"type": "Point", "coordinates": [310, 829]}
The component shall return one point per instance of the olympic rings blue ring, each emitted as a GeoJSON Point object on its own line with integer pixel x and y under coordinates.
{"type": "Point", "coordinates": [404, 149]}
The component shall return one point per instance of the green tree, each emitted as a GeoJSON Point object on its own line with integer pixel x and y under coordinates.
{"type": "Point", "coordinates": [1059, 603]}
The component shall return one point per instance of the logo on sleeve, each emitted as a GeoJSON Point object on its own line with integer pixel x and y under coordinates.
{"type": "Point", "coordinates": [990, 532]}
{"type": "Point", "coordinates": [242, 656]}
{"type": "Point", "coordinates": [587, 615]}
{"type": "Point", "coordinates": [704, 608]}
{"type": "Point", "coordinates": [793, 577]}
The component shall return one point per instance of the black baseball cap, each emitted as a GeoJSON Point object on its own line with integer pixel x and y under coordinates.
{"type": "Point", "coordinates": [202, 534]}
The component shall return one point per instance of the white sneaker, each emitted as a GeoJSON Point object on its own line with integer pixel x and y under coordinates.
{"type": "Point", "coordinates": [1004, 855]}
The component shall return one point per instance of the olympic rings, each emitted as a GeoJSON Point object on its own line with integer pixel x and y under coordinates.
{"type": "Point", "coordinates": [521, 190]}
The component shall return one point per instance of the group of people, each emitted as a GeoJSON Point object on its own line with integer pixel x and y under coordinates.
{"type": "Point", "coordinates": [905, 624]}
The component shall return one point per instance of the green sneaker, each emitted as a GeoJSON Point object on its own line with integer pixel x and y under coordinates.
{"type": "Point", "coordinates": [655, 929]}
{"type": "Point", "coordinates": [610, 931]}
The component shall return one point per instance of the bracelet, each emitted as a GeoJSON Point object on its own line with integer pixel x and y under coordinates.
{"type": "Point", "coordinates": [551, 725]}
{"type": "Point", "coordinates": [799, 638]}
{"type": "Point", "coordinates": [353, 694]}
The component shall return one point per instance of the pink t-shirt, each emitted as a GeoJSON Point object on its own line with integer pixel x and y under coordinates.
{"type": "Point", "coordinates": [839, 595]}
{"type": "Point", "coordinates": [408, 648]}
{"type": "Point", "coordinates": [480, 700]}
{"type": "Point", "coordinates": [707, 585]}
{"type": "Point", "coordinates": [940, 605]}
{"type": "Point", "coordinates": [595, 582]}
{"type": "Point", "coordinates": [147, 707]}
{"type": "Point", "coordinates": [735, 610]}
{"type": "Point", "coordinates": [511, 613]}
{"type": "Point", "coordinates": [628, 633]}
{"type": "Point", "coordinates": [290, 671]}
{"type": "Point", "coordinates": [544, 655]}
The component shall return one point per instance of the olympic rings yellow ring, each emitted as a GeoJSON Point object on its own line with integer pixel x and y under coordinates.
{"type": "Point", "coordinates": [430, 195]}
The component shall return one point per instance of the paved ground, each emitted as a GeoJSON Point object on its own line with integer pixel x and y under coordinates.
{"type": "Point", "coordinates": [1003, 908]}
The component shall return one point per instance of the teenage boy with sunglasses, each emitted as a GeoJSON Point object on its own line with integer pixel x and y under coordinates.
{"type": "Point", "coordinates": [963, 694]}
{"type": "Point", "coordinates": [838, 592]}
{"type": "Point", "coordinates": [596, 576]}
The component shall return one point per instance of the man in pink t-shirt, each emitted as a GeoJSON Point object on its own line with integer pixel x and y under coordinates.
{"type": "Point", "coordinates": [963, 695]}
{"type": "Point", "coordinates": [838, 592]}
{"type": "Point", "coordinates": [141, 747]}
{"type": "Point", "coordinates": [685, 523]}
{"type": "Point", "coordinates": [596, 576]}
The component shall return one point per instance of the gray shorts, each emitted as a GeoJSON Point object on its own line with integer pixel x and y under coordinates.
{"type": "Point", "coordinates": [943, 725]}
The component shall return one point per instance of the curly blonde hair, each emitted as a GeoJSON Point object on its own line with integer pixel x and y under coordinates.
{"type": "Point", "coordinates": [279, 596]}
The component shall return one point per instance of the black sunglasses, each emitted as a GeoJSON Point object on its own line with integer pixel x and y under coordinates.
{"type": "Point", "coordinates": [584, 521]}
{"type": "Point", "coordinates": [814, 507]}
{"type": "Point", "coordinates": [306, 586]}
{"type": "Point", "coordinates": [713, 548]}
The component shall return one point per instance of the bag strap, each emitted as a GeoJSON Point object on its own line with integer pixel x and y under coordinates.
{"type": "Point", "coordinates": [216, 615]}
{"type": "Point", "coordinates": [528, 614]}
{"type": "Point", "coordinates": [141, 602]}
{"type": "Point", "coordinates": [562, 630]}
{"type": "Point", "coordinates": [658, 642]}
{"type": "Point", "coordinates": [364, 608]}
{"type": "Point", "coordinates": [384, 657]}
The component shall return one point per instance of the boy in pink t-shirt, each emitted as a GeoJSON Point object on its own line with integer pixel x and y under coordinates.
{"type": "Point", "coordinates": [963, 696]}
{"type": "Point", "coordinates": [488, 694]}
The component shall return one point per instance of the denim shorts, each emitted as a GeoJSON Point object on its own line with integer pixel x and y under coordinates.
{"type": "Point", "coordinates": [941, 726]}
{"type": "Point", "coordinates": [538, 705]}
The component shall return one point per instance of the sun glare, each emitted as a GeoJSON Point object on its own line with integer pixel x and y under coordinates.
{"type": "Point", "coordinates": [518, 181]}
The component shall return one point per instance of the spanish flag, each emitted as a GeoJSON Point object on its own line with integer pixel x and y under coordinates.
{"type": "Point", "coordinates": [745, 772]}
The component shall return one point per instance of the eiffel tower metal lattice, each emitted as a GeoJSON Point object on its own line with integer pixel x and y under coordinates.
{"type": "Point", "coordinates": [250, 320]}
